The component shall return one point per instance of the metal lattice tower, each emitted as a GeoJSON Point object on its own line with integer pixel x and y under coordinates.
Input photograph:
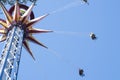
{"type": "Point", "coordinates": [10, 57]}
{"type": "Point", "coordinates": [16, 31]}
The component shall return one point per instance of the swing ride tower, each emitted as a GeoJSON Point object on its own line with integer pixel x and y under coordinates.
{"type": "Point", "coordinates": [17, 30]}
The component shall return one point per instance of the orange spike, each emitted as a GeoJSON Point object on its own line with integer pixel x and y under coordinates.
{"type": "Point", "coordinates": [3, 38]}
{"type": "Point", "coordinates": [26, 15]}
{"type": "Point", "coordinates": [3, 23]}
{"type": "Point", "coordinates": [35, 30]}
{"type": "Point", "coordinates": [16, 15]}
{"type": "Point", "coordinates": [26, 45]}
{"type": "Point", "coordinates": [6, 13]}
{"type": "Point", "coordinates": [33, 21]}
{"type": "Point", "coordinates": [2, 31]}
{"type": "Point", "coordinates": [31, 38]}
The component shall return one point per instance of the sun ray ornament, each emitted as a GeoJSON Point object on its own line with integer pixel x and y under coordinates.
{"type": "Point", "coordinates": [17, 30]}
{"type": "Point", "coordinates": [22, 20]}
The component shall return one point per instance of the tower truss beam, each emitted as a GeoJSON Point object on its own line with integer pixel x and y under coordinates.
{"type": "Point", "coordinates": [11, 54]}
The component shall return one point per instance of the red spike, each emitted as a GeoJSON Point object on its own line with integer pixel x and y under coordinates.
{"type": "Point", "coordinates": [2, 31]}
{"type": "Point", "coordinates": [35, 30]}
{"type": "Point", "coordinates": [33, 21]}
{"type": "Point", "coordinates": [3, 23]}
{"type": "Point", "coordinates": [26, 15]}
{"type": "Point", "coordinates": [8, 16]}
{"type": "Point", "coordinates": [16, 15]}
{"type": "Point", "coordinates": [28, 49]}
{"type": "Point", "coordinates": [31, 38]}
{"type": "Point", "coordinates": [3, 38]}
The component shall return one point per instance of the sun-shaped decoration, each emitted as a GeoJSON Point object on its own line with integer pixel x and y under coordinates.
{"type": "Point", "coordinates": [17, 16]}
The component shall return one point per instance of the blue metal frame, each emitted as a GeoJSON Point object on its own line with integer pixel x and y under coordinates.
{"type": "Point", "coordinates": [11, 54]}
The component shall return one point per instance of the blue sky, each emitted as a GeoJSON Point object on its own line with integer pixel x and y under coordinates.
{"type": "Point", "coordinates": [70, 46]}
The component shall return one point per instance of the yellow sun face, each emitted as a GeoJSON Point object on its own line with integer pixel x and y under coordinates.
{"type": "Point", "coordinates": [21, 17]}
